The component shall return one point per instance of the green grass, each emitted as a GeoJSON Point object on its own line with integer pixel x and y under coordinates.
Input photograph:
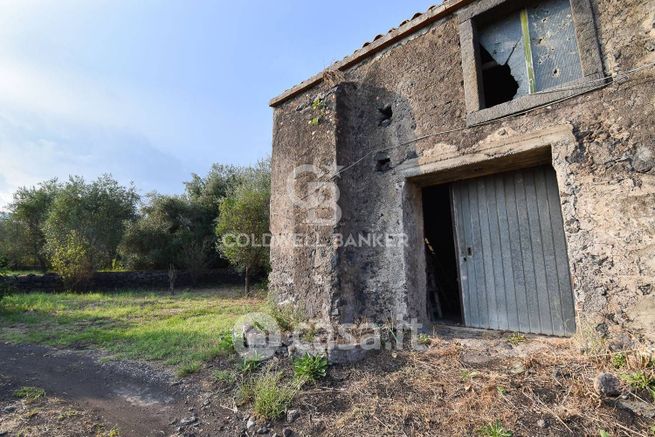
{"type": "Point", "coordinates": [494, 430]}
{"type": "Point", "coordinates": [310, 367]}
{"type": "Point", "coordinates": [250, 364]}
{"type": "Point", "coordinates": [424, 340]}
{"type": "Point", "coordinates": [187, 369]}
{"type": "Point", "coordinates": [271, 396]}
{"type": "Point", "coordinates": [641, 380]}
{"type": "Point", "coordinates": [619, 360]}
{"type": "Point", "coordinates": [516, 338]}
{"type": "Point", "coordinates": [225, 376]}
{"type": "Point", "coordinates": [183, 330]}
{"type": "Point", "coordinates": [22, 272]}
{"type": "Point", "coordinates": [30, 394]}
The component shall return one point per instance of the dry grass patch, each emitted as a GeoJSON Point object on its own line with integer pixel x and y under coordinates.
{"type": "Point", "coordinates": [540, 387]}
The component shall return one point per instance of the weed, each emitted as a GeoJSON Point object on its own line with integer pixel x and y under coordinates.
{"type": "Point", "coordinates": [603, 433]}
{"type": "Point", "coordinates": [226, 342]}
{"type": "Point", "coordinates": [501, 390]}
{"type": "Point", "coordinates": [30, 394]}
{"type": "Point", "coordinates": [590, 341]}
{"type": "Point", "coordinates": [245, 393]}
{"type": "Point", "coordinates": [516, 338]}
{"type": "Point", "coordinates": [652, 430]}
{"type": "Point", "coordinates": [619, 360]}
{"type": "Point", "coordinates": [640, 380]}
{"type": "Point", "coordinates": [315, 121]}
{"type": "Point", "coordinates": [318, 104]}
{"type": "Point", "coordinates": [188, 369]}
{"type": "Point", "coordinates": [468, 375]}
{"type": "Point", "coordinates": [424, 340]}
{"type": "Point", "coordinates": [284, 319]}
{"type": "Point", "coordinates": [310, 367]}
{"type": "Point", "coordinates": [271, 397]}
{"type": "Point", "coordinates": [31, 413]}
{"type": "Point", "coordinates": [494, 430]}
{"type": "Point", "coordinates": [114, 432]}
{"type": "Point", "coordinates": [310, 334]}
{"type": "Point", "coordinates": [645, 362]}
{"type": "Point", "coordinates": [67, 414]}
{"type": "Point", "coordinates": [250, 364]}
{"type": "Point", "coordinates": [285, 316]}
{"type": "Point", "coordinates": [224, 376]}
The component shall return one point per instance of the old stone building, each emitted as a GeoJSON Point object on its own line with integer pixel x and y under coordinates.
{"type": "Point", "coordinates": [488, 163]}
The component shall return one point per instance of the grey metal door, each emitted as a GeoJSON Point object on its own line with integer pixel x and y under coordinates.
{"type": "Point", "coordinates": [511, 248]}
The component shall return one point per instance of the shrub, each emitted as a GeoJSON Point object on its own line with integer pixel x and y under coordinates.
{"type": "Point", "coordinates": [4, 288]}
{"type": "Point", "coordinates": [272, 398]}
{"type": "Point", "coordinates": [310, 367]}
{"type": "Point", "coordinates": [30, 394]}
{"type": "Point", "coordinates": [71, 259]}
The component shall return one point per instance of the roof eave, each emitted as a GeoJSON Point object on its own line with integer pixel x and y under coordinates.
{"type": "Point", "coordinates": [412, 26]}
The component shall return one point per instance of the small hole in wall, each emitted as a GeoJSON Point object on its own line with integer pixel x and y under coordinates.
{"type": "Point", "coordinates": [383, 164]}
{"type": "Point", "coordinates": [386, 113]}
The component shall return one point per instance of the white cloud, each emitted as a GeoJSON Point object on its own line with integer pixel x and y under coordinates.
{"type": "Point", "coordinates": [34, 149]}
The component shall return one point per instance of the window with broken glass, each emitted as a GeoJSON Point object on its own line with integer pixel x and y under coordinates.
{"type": "Point", "coordinates": [528, 51]}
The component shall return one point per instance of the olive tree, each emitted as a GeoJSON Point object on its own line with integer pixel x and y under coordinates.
{"type": "Point", "coordinates": [86, 222]}
{"type": "Point", "coordinates": [179, 230]}
{"type": "Point", "coordinates": [243, 222]}
{"type": "Point", "coordinates": [22, 240]}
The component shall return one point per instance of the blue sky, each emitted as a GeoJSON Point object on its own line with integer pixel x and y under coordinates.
{"type": "Point", "coordinates": [152, 91]}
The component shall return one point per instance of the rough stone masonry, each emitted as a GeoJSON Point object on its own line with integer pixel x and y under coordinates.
{"type": "Point", "coordinates": [407, 111]}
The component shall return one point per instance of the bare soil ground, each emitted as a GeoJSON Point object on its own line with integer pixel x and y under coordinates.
{"type": "Point", "coordinates": [89, 396]}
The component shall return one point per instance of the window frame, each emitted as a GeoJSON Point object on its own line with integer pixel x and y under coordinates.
{"type": "Point", "coordinates": [588, 48]}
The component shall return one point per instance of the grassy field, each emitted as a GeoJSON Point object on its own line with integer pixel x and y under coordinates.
{"type": "Point", "coordinates": [182, 330]}
{"type": "Point", "coordinates": [21, 272]}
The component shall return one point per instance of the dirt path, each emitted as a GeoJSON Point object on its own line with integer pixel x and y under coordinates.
{"type": "Point", "coordinates": [134, 397]}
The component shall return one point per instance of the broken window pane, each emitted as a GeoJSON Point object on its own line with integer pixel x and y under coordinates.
{"type": "Point", "coordinates": [554, 46]}
{"type": "Point", "coordinates": [529, 50]}
{"type": "Point", "coordinates": [503, 41]}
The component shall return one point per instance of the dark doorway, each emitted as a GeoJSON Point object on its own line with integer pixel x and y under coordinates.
{"type": "Point", "coordinates": [444, 302]}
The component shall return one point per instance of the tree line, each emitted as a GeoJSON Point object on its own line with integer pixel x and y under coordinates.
{"type": "Point", "coordinates": [77, 227]}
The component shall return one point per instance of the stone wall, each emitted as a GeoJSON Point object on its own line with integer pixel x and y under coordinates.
{"type": "Point", "coordinates": [606, 173]}
{"type": "Point", "coordinates": [114, 281]}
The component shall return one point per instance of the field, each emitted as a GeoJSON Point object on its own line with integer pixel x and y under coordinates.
{"type": "Point", "coordinates": [182, 330]}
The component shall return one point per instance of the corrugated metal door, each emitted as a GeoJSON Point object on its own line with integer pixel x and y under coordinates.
{"type": "Point", "coordinates": [513, 265]}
